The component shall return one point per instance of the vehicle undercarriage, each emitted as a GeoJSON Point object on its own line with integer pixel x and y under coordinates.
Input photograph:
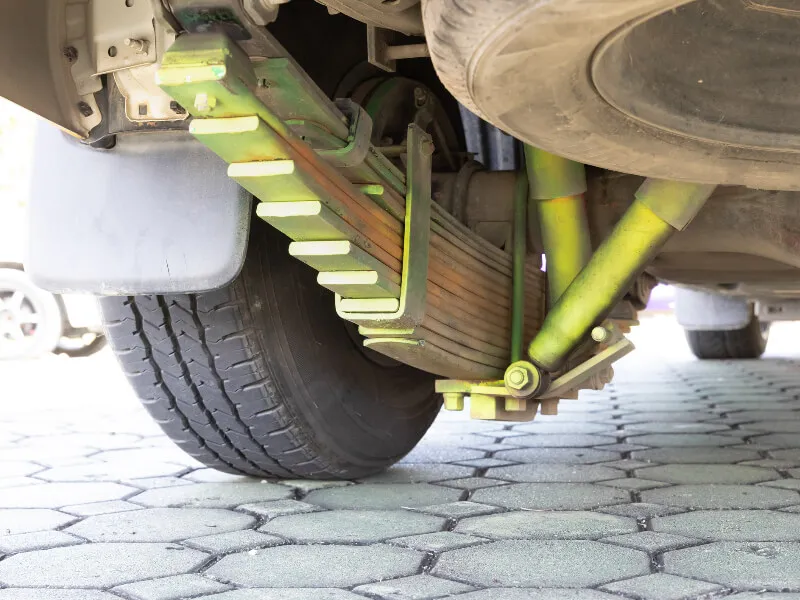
{"type": "Point", "coordinates": [300, 216]}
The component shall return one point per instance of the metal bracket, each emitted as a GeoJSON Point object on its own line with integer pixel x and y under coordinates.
{"type": "Point", "coordinates": [358, 137]}
{"type": "Point", "coordinates": [385, 56]}
{"type": "Point", "coordinates": [390, 318]}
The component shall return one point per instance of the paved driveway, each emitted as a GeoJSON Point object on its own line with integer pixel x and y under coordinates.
{"type": "Point", "coordinates": [681, 480]}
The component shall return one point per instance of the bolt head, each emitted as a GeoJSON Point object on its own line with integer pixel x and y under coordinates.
{"type": "Point", "coordinates": [600, 334]}
{"type": "Point", "coordinates": [517, 378]}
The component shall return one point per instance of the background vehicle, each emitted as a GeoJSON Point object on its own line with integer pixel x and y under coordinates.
{"type": "Point", "coordinates": [34, 322]}
{"type": "Point", "coordinates": [639, 154]}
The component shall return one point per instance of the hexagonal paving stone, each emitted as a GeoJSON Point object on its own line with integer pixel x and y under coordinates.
{"type": "Point", "coordinates": [172, 588]}
{"type": "Point", "coordinates": [420, 473]}
{"type": "Point", "coordinates": [663, 587]}
{"type": "Point", "coordinates": [559, 563]}
{"type": "Point", "coordinates": [674, 427]}
{"type": "Point", "coordinates": [701, 455]}
{"type": "Point", "coordinates": [418, 587]}
{"type": "Point", "coordinates": [278, 508]}
{"type": "Point", "coordinates": [740, 525]}
{"type": "Point", "coordinates": [441, 541]}
{"type": "Point", "coordinates": [97, 565]}
{"type": "Point", "coordinates": [652, 541]}
{"type": "Point", "coordinates": [563, 440]}
{"type": "Point", "coordinates": [299, 566]}
{"type": "Point", "coordinates": [22, 520]}
{"type": "Point", "coordinates": [55, 495]}
{"type": "Point", "coordinates": [573, 456]}
{"type": "Point", "coordinates": [721, 496]}
{"type": "Point", "coordinates": [640, 510]}
{"type": "Point", "coordinates": [440, 453]}
{"type": "Point", "coordinates": [108, 471]}
{"type": "Point", "coordinates": [234, 541]}
{"type": "Point", "coordinates": [160, 524]}
{"type": "Point", "coordinates": [18, 469]}
{"type": "Point", "coordinates": [784, 426]}
{"type": "Point", "coordinates": [286, 594]}
{"type": "Point", "coordinates": [551, 496]}
{"type": "Point", "coordinates": [537, 594]}
{"type": "Point", "coordinates": [699, 473]}
{"type": "Point", "coordinates": [681, 440]}
{"type": "Point", "coordinates": [547, 525]}
{"type": "Point", "coordinates": [42, 594]}
{"type": "Point", "coordinates": [457, 510]}
{"type": "Point", "coordinates": [38, 540]}
{"type": "Point", "coordinates": [563, 427]}
{"type": "Point", "coordinates": [383, 496]}
{"type": "Point", "coordinates": [352, 526]}
{"type": "Point", "coordinates": [741, 565]}
{"type": "Point", "coordinates": [547, 473]}
{"type": "Point", "coordinates": [212, 495]}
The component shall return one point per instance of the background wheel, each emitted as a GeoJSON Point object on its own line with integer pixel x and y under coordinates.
{"type": "Point", "coordinates": [30, 318]}
{"type": "Point", "coordinates": [748, 342]}
{"type": "Point", "coordinates": [263, 378]}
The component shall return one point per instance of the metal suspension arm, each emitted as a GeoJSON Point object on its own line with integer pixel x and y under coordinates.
{"type": "Point", "coordinates": [660, 209]}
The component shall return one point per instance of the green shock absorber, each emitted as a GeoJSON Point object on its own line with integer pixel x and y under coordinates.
{"type": "Point", "coordinates": [556, 188]}
{"type": "Point", "coordinates": [659, 209]}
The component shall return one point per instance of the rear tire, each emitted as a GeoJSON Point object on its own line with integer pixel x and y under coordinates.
{"type": "Point", "coordinates": [263, 378]}
{"type": "Point", "coordinates": [748, 342]}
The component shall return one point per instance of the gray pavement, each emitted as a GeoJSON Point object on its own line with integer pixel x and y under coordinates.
{"type": "Point", "coordinates": [681, 480]}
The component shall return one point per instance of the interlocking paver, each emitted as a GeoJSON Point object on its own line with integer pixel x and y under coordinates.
{"type": "Point", "coordinates": [23, 520]}
{"type": "Point", "coordinates": [417, 587]}
{"type": "Point", "coordinates": [352, 526]}
{"type": "Point", "coordinates": [37, 540]}
{"type": "Point", "coordinates": [563, 440]}
{"type": "Point", "coordinates": [100, 508]}
{"type": "Point", "coordinates": [441, 541]}
{"type": "Point", "coordinates": [160, 524]}
{"type": "Point", "coordinates": [710, 473]}
{"type": "Point", "coordinates": [383, 496]}
{"type": "Point", "coordinates": [106, 471]}
{"type": "Point", "coordinates": [421, 473]}
{"type": "Point", "coordinates": [721, 496]}
{"type": "Point", "coordinates": [537, 594]}
{"type": "Point", "coordinates": [572, 456]}
{"type": "Point", "coordinates": [278, 508]}
{"type": "Point", "coordinates": [641, 510]}
{"type": "Point", "coordinates": [316, 566]}
{"type": "Point", "coordinates": [542, 510]}
{"type": "Point", "coordinates": [704, 455]}
{"type": "Point", "coordinates": [550, 496]}
{"type": "Point", "coordinates": [234, 541]}
{"type": "Point", "coordinates": [652, 541]}
{"type": "Point", "coordinates": [42, 594]}
{"type": "Point", "coordinates": [62, 494]}
{"type": "Point", "coordinates": [97, 565]}
{"type": "Point", "coordinates": [740, 525]}
{"type": "Point", "coordinates": [457, 510]}
{"type": "Point", "coordinates": [547, 525]}
{"type": "Point", "coordinates": [212, 495]}
{"type": "Point", "coordinates": [661, 586]}
{"type": "Point", "coordinates": [286, 594]}
{"type": "Point", "coordinates": [559, 563]}
{"type": "Point", "coordinates": [172, 588]}
{"type": "Point", "coordinates": [554, 473]}
{"type": "Point", "coordinates": [742, 565]}
{"type": "Point", "coordinates": [472, 483]}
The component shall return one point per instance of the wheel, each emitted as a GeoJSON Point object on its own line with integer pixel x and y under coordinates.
{"type": "Point", "coordinates": [263, 378]}
{"type": "Point", "coordinates": [636, 86]}
{"type": "Point", "coordinates": [748, 342]}
{"type": "Point", "coordinates": [30, 318]}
